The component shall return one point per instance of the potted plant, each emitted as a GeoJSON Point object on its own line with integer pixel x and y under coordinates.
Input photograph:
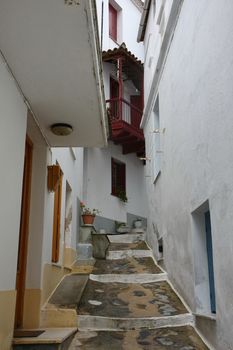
{"type": "Point", "coordinates": [121, 227]}
{"type": "Point", "coordinates": [121, 194]}
{"type": "Point", "coordinates": [88, 215]}
{"type": "Point", "coordinates": [137, 223]}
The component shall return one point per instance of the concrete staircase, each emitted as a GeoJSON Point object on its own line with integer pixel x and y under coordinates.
{"type": "Point", "coordinates": [122, 302]}
{"type": "Point", "coordinates": [128, 303]}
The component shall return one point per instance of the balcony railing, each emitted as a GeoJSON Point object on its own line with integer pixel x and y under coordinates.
{"type": "Point", "coordinates": [122, 110]}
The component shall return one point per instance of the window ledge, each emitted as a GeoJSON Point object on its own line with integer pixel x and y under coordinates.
{"type": "Point", "coordinates": [211, 317]}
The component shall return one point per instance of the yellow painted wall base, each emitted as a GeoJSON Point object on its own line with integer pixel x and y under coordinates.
{"type": "Point", "coordinates": [51, 277]}
{"type": "Point", "coordinates": [70, 257]}
{"type": "Point", "coordinates": [32, 303]}
{"type": "Point", "coordinates": [7, 316]}
{"type": "Point", "coordinates": [58, 318]}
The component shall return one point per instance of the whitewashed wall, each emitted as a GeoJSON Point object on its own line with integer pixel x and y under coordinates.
{"type": "Point", "coordinates": [157, 22]}
{"type": "Point", "coordinates": [98, 186]}
{"type": "Point", "coordinates": [13, 119]}
{"type": "Point", "coordinates": [39, 199]}
{"type": "Point", "coordinates": [129, 19]}
{"type": "Point", "coordinates": [71, 163]}
{"type": "Point", "coordinates": [196, 106]}
{"type": "Point", "coordinates": [97, 192]}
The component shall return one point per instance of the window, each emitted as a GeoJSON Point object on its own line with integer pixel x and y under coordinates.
{"type": "Point", "coordinates": [112, 22]}
{"type": "Point", "coordinates": [118, 178]}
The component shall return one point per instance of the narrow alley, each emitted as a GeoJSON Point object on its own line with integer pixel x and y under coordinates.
{"type": "Point", "coordinates": [116, 180]}
{"type": "Point", "coordinates": [128, 303]}
{"type": "Point", "coordinates": [124, 300]}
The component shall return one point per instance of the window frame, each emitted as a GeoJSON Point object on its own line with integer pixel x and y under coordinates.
{"type": "Point", "coordinates": [113, 22]}
{"type": "Point", "coordinates": [118, 177]}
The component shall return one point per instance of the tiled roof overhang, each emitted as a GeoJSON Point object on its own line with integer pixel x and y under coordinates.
{"type": "Point", "coordinates": [131, 65]}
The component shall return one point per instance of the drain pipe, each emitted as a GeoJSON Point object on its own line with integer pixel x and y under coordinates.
{"type": "Point", "coordinates": [143, 22]}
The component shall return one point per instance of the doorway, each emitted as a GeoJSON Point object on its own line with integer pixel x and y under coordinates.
{"type": "Point", "coordinates": [23, 233]}
{"type": "Point", "coordinates": [203, 260]}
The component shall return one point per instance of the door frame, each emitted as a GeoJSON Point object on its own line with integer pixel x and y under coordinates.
{"type": "Point", "coordinates": [57, 220]}
{"type": "Point", "coordinates": [209, 247]}
{"type": "Point", "coordinates": [23, 233]}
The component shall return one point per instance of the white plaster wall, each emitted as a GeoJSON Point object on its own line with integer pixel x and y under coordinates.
{"type": "Point", "coordinates": [153, 41]}
{"type": "Point", "coordinates": [13, 117]}
{"type": "Point", "coordinates": [98, 191]}
{"type": "Point", "coordinates": [37, 202]}
{"type": "Point", "coordinates": [129, 19]}
{"type": "Point", "coordinates": [42, 203]}
{"type": "Point", "coordinates": [153, 192]}
{"type": "Point", "coordinates": [197, 162]}
{"type": "Point", "coordinates": [71, 163]}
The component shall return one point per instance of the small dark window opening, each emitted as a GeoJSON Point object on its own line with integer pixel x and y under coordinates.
{"type": "Point", "coordinates": [112, 22]}
{"type": "Point", "coordinates": [118, 178]}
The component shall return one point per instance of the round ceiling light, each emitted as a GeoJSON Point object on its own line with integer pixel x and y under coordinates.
{"type": "Point", "coordinates": [61, 129]}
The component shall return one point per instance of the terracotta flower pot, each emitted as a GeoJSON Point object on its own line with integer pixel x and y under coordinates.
{"type": "Point", "coordinates": [88, 219]}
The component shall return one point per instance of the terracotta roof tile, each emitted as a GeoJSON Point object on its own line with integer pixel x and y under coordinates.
{"type": "Point", "coordinates": [119, 51]}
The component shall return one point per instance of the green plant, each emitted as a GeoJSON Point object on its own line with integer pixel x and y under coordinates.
{"type": "Point", "coordinates": [121, 194]}
{"type": "Point", "coordinates": [88, 211]}
{"type": "Point", "coordinates": [119, 224]}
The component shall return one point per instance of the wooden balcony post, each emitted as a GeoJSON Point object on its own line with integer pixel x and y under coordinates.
{"type": "Point", "coordinates": [120, 81]}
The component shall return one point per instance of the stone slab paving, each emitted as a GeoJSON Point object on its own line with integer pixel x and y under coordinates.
{"type": "Point", "coordinates": [128, 265]}
{"type": "Point", "coordinates": [130, 300]}
{"type": "Point", "coordinates": [127, 246]}
{"type": "Point", "coordinates": [180, 338]}
{"type": "Point", "coordinates": [135, 300]}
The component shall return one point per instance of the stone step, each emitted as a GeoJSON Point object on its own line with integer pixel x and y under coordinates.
{"type": "Point", "coordinates": [69, 291]}
{"type": "Point", "coordinates": [130, 306]}
{"type": "Point", "coordinates": [55, 317]}
{"type": "Point", "coordinates": [130, 265]}
{"type": "Point", "coordinates": [127, 237]}
{"type": "Point", "coordinates": [50, 339]}
{"type": "Point", "coordinates": [98, 323]}
{"type": "Point", "coordinates": [182, 338]}
{"type": "Point", "coordinates": [141, 245]}
{"type": "Point", "coordinates": [126, 250]}
{"type": "Point", "coordinates": [121, 254]}
{"type": "Point", "coordinates": [129, 278]}
{"type": "Point", "coordinates": [60, 309]}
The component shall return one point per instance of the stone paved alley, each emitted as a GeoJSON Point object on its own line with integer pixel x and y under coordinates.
{"type": "Point", "coordinates": [129, 304]}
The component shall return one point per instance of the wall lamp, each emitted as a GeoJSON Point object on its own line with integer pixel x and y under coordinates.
{"type": "Point", "coordinates": [61, 129]}
{"type": "Point", "coordinates": [145, 158]}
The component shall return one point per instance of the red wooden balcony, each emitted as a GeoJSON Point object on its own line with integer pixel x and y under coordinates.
{"type": "Point", "coordinates": [125, 120]}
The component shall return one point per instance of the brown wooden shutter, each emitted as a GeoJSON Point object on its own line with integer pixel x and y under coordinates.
{"type": "Point", "coordinates": [112, 22]}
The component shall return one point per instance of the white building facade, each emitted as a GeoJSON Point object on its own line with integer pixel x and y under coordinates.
{"type": "Point", "coordinates": [188, 129]}
{"type": "Point", "coordinates": [105, 180]}
{"type": "Point", "coordinates": [39, 217]}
